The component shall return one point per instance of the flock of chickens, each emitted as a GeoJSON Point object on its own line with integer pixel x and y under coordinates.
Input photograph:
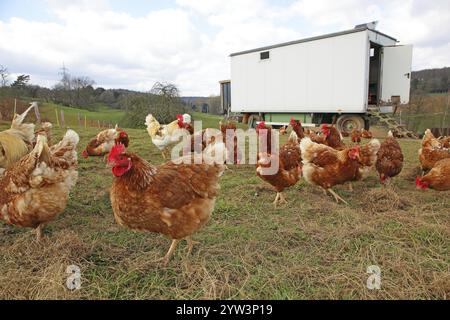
{"type": "Point", "coordinates": [177, 198]}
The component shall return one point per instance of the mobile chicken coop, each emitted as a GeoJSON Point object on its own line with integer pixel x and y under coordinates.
{"type": "Point", "coordinates": [340, 77]}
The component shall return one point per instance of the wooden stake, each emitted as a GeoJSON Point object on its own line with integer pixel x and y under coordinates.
{"type": "Point", "coordinates": [63, 123]}
{"type": "Point", "coordinates": [57, 118]}
{"type": "Point", "coordinates": [37, 113]}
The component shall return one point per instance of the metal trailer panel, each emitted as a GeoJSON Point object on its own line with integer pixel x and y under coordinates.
{"type": "Point", "coordinates": [324, 75]}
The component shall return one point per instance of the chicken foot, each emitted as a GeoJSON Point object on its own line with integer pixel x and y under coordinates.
{"type": "Point", "coordinates": [280, 198]}
{"type": "Point", "coordinates": [336, 196]}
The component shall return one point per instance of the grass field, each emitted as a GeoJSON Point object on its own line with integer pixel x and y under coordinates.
{"type": "Point", "coordinates": [102, 113]}
{"type": "Point", "coordinates": [311, 248]}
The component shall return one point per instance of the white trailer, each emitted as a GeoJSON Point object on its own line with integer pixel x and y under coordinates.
{"type": "Point", "coordinates": [338, 76]}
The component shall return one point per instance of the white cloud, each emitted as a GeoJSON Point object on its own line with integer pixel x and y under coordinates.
{"type": "Point", "coordinates": [189, 44]}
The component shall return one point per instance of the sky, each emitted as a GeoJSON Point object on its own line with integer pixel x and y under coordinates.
{"type": "Point", "coordinates": [132, 44]}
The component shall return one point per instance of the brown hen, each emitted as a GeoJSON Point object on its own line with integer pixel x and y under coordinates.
{"type": "Point", "coordinates": [172, 199]}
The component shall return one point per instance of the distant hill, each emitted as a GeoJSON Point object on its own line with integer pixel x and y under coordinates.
{"type": "Point", "coordinates": [430, 80]}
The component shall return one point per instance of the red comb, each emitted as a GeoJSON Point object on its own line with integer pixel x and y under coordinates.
{"type": "Point", "coordinates": [261, 125]}
{"type": "Point", "coordinates": [115, 151]}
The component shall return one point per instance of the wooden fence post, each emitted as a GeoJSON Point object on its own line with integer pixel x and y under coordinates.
{"type": "Point", "coordinates": [37, 113]}
{"type": "Point", "coordinates": [62, 119]}
{"type": "Point", "coordinates": [57, 118]}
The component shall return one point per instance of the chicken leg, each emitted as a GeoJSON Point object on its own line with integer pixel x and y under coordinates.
{"type": "Point", "coordinates": [336, 196]}
{"type": "Point", "coordinates": [350, 187]}
{"type": "Point", "coordinates": [280, 198]}
{"type": "Point", "coordinates": [39, 233]}
{"type": "Point", "coordinates": [190, 243]}
{"type": "Point", "coordinates": [166, 258]}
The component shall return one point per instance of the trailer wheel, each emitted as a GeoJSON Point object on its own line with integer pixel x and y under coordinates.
{"type": "Point", "coordinates": [347, 123]}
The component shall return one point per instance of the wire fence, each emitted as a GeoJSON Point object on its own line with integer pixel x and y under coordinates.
{"type": "Point", "coordinates": [59, 118]}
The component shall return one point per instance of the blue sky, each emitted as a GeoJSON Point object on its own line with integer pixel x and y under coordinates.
{"type": "Point", "coordinates": [132, 44]}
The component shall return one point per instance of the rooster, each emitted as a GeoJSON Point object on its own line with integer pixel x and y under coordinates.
{"type": "Point", "coordinates": [289, 167]}
{"type": "Point", "coordinates": [36, 188]}
{"type": "Point", "coordinates": [16, 141]}
{"type": "Point", "coordinates": [165, 136]}
{"type": "Point", "coordinates": [326, 167]}
{"type": "Point", "coordinates": [390, 159]}
{"type": "Point", "coordinates": [102, 143]}
{"type": "Point", "coordinates": [173, 199]}
{"type": "Point", "coordinates": [432, 151]}
{"type": "Point", "coordinates": [438, 178]}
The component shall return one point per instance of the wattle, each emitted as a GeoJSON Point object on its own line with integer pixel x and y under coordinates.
{"type": "Point", "coordinates": [119, 171]}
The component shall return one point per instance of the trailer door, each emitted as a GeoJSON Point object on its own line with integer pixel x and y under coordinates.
{"type": "Point", "coordinates": [396, 73]}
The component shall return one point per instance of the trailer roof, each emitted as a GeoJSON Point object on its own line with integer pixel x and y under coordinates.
{"type": "Point", "coordinates": [329, 35]}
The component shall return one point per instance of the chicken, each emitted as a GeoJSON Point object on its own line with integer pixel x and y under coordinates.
{"type": "Point", "coordinates": [165, 136]}
{"type": "Point", "coordinates": [326, 167]}
{"type": "Point", "coordinates": [317, 137]}
{"type": "Point", "coordinates": [289, 167]}
{"type": "Point", "coordinates": [356, 135]}
{"type": "Point", "coordinates": [297, 127]}
{"type": "Point", "coordinates": [264, 133]}
{"type": "Point", "coordinates": [173, 199]}
{"type": "Point", "coordinates": [36, 189]}
{"type": "Point", "coordinates": [185, 122]}
{"type": "Point", "coordinates": [16, 141]}
{"type": "Point", "coordinates": [283, 130]}
{"type": "Point", "coordinates": [432, 151]}
{"type": "Point", "coordinates": [45, 130]}
{"type": "Point", "coordinates": [101, 145]}
{"type": "Point", "coordinates": [389, 159]}
{"type": "Point", "coordinates": [367, 158]}
{"type": "Point", "coordinates": [445, 141]}
{"type": "Point", "coordinates": [228, 129]}
{"type": "Point", "coordinates": [366, 134]}
{"type": "Point", "coordinates": [332, 137]}
{"type": "Point", "coordinates": [438, 178]}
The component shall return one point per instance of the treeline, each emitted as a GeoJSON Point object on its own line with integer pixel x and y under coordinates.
{"type": "Point", "coordinates": [430, 81]}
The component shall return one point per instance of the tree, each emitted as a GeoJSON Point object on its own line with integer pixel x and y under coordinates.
{"type": "Point", "coordinates": [4, 75]}
{"type": "Point", "coordinates": [165, 89]}
{"type": "Point", "coordinates": [21, 81]}
{"type": "Point", "coordinates": [215, 106]}
{"type": "Point", "coordinates": [163, 102]}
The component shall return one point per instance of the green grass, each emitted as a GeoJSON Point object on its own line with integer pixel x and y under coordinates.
{"type": "Point", "coordinates": [311, 248]}
{"type": "Point", "coordinates": [102, 113]}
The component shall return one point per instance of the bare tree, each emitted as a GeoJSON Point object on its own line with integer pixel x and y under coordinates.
{"type": "Point", "coordinates": [167, 90]}
{"type": "Point", "coordinates": [4, 75]}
